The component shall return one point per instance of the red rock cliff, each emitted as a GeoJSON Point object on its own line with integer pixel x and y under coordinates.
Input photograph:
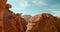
{"type": "Point", "coordinates": [2, 9]}
{"type": "Point", "coordinates": [9, 21]}
{"type": "Point", "coordinates": [43, 23]}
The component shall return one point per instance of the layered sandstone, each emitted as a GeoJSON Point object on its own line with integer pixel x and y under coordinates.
{"type": "Point", "coordinates": [43, 23]}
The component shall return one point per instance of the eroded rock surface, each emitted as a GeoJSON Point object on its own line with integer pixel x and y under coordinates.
{"type": "Point", "coordinates": [43, 23]}
{"type": "Point", "coordinates": [2, 9]}
{"type": "Point", "coordinates": [13, 22]}
{"type": "Point", "coordinates": [9, 21]}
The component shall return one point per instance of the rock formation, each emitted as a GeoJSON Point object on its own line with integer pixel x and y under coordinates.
{"type": "Point", "coordinates": [2, 9]}
{"type": "Point", "coordinates": [13, 22]}
{"type": "Point", "coordinates": [43, 23]}
{"type": "Point", "coordinates": [26, 17]}
{"type": "Point", "coordinates": [9, 21]}
{"type": "Point", "coordinates": [24, 23]}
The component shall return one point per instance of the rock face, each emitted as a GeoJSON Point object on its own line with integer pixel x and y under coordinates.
{"type": "Point", "coordinates": [13, 22]}
{"type": "Point", "coordinates": [26, 17]}
{"type": "Point", "coordinates": [43, 23]}
{"type": "Point", "coordinates": [24, 23]}
{"type": "Point", "coordinates": [2, 9]}
{"type": "Point", "coordinates": [9, 21]}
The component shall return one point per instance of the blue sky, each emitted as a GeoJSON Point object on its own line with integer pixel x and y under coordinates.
{"type": "Point", "coordinates": [34, 7]}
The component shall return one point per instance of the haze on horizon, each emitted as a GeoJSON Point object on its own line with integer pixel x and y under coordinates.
{"type": "Point", "coordinates": [34, 7]}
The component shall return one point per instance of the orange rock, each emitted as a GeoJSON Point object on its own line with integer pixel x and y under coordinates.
{"type": "Point", "coordinates": [2, 9]}
{"type": "Point", "coordinates": [13, 22]}
{"type": "Point", "coordinates": [43, 23]}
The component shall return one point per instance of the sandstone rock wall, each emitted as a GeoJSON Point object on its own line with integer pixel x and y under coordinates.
{"type": "Point", "coordinates": [43, 23]}
{"type": "Point", "coordinates": [2, 9]}
{"type": "Point", "coordinates": [13, 22]}
{"type": "Point", "coordinates": [9, 21]}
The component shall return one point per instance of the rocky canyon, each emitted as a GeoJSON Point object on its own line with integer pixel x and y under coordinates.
{"type": "Point", "coordinates": [11, 22]}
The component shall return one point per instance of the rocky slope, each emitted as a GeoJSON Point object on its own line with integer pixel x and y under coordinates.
{"type": "Point", "coordinates": [43, 23]}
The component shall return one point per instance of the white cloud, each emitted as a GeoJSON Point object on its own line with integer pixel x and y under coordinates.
{"type": "Point", "coordinates": [39, 2]}
{"type": "Point", "coordinates": [18, 4]}
{"type": "Point", "coordinates": [23, 4]}
{"type": "Point", "coordinates": [57, 13]}
{"type": "Point", "coordinates": [52, 9]}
